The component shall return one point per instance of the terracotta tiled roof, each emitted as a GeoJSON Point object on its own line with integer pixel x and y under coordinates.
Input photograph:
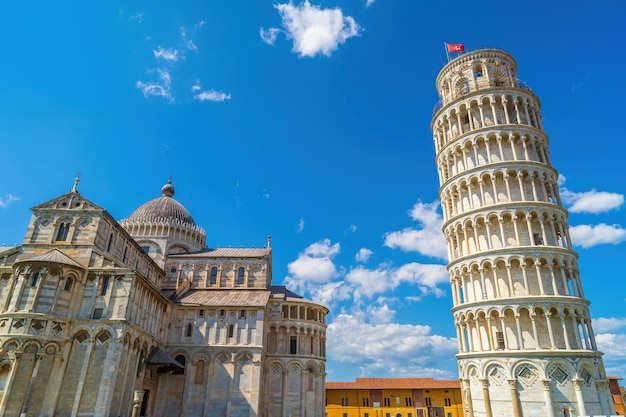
{"type": "Point", "coordinates": [225, 253]}
{"type": "Point", "coordinates": [224, 298]}
{"type": "Point", "coordinates": [394, 383]}
{"type": "Point", "coordinates": [54, 256]}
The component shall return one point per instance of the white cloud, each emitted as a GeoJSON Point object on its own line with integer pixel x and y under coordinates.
{"type": "Point", "coordinates": [369, 282]}
{"type": "Point", "coordinates": [368, 3]}
{"type": "Point", "coordinates": [212, 95]}
{"type": "Point", "coordinates": [380, 314]}
{"type": "Point", "coordinates": [269, 36]}
{"type": "Point", "coordinates": [363, 255]}
{"type": "Point", "coordinates": [300, 226]}
{"type": "Point", "coordinates": [196, 86]}
{"type": "Point", "coordinates": [158, 89]}
{"type": "Point", "coordinates": [351, 229]}
{"type": "Point", "coordinates": [7, 199]}
{"type": "Point", "coordinates": [200, 24]}
{"type": "Point", "coordinates": [428, 240]}
{"type": "Point", "coordinates": [591, 201]}
{"type": "Point", "coordinates": [315, 264]}
{"type": "Point", "coordinates": [314, 30]}
{"type": "Point", "coordinates": [167, 54]}
{"type": "Point", "coordinates": [604, 324]}
{"type": "Point", "coordinates": [587, 235]}
{"type": "Point", "coordinates": [388, 349]}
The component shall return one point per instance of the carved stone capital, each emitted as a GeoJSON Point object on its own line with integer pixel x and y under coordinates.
{"type": "Point", "coordinates": [512, 383]}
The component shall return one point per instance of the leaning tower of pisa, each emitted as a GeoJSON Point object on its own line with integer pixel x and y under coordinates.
{"type": "Point", "coordinates": [526, 344]}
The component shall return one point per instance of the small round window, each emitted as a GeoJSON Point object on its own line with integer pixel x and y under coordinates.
{"type": "Point", "coordinates": [173, 270]}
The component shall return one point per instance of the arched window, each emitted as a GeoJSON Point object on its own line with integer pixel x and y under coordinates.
{"type": "Point", "coordinates": [231, 330]}
{"type": "Point", "coordinates": [108, 244]}
{"type": "Point", "coordinates": [189, 330]}
{"type": "Point", "coordinates": [64, 228]}
{"type": "Point", "coordinates": [68, 284]}
{"type": "Point", "coordinates": [200, 372]}
{"type": "Point", "coordinates": [35, 279]}
{"type": "Point", "coordinates": [213, 278]}
{"type": "Point", "coordinates": [105, 286]}
{"type": "Point", "coordinates": [240, 275]}
{"type": "Point", "coordinates": [183, 361]}
{"type": "Point", "coordinates": [4, 376]}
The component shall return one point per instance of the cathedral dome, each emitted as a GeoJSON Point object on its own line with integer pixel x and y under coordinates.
{"type": "Point", "coordinates": [163, 209]}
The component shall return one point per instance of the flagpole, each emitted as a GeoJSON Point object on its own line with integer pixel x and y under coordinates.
{"type": "Point", "coordinates": [445, 46]}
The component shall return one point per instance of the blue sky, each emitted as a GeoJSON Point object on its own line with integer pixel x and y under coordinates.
{"type": "Point", "coordinates": [309, 121]}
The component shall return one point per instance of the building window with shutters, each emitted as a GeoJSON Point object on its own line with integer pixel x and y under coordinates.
{"type": "Point", "coordinates": [428, 401]}
{"type": "Point", "coordinates": [447, 402]}
{"type": "Point", "coordinates": [500, 340]}
{"type": "Point", "coordinates": [344, 402]}
{"type": "Point", "coordinates": [386, 401]}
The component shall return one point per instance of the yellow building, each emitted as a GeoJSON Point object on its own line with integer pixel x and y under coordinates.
{"type": "Point", "coordinates": [617, 392]}
{"type": "Point", "coordinates": [394, 397]}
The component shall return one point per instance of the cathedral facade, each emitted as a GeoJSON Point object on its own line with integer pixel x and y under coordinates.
{"type": "Point", "coordinates": [525, 337]}
{"type": "Point", "coordinates": [140, 318]}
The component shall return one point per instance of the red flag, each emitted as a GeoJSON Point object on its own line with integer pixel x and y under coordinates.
{"type": "Point", "coordinates": [456, 47]}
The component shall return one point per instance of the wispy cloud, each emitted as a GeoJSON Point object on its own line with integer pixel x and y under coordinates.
{"type": "Point", "coordinates": [300, 226]}
{"type": "Point", "coordinates": [368, 3]}
{"type": "Point", "coordinates": [200, 24]}
{"type": "Point", "coordinates": [189, 44]}
{"type": "Point", "coordinates": [212, 95]}
{"type": "Point", "coordinates": [161, 88]}
{"type": "Point", "coordinates": [314, 30]}
{"type": "Point", "coordinates": [588, 235]}
{"type": "Point", "coordinates": [428, 240]}
{"type": "Point", "coordinates": [137, 17]}
{"type": "Point", "coordinates": [351, 229]}
{"type": "Point", "coordinates": [269, 36]}
{"type": "Point", "coordinates": [167, 54]}
{"type": "Point", "coordinates": [579, 83]}
{"type": "Point", "coordinates": [7, 199]}
{"type": "Point", "coordinates": [363, 255]}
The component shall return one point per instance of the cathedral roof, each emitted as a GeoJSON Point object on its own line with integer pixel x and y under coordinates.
{"type": "Point", "coordinates": [53, 256]}
{"type": "Point", "coordinates": [226, 298]}
{"type": "Point", "coordinates": [163, 209]}
{"type": "Point", "coordinates": [225, 253]}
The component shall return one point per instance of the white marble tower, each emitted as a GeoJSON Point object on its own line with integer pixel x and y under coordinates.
{"type": "Point", "coordinates": [526, 344]}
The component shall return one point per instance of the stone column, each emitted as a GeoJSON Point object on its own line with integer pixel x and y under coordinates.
{"type": "Point", "coordinates": [546, 385]}
{"type": "Point", "coordinates": [15, 358]}
{"type": "Point", "coordinates": [577, 383]}
{"type": "Point", "coordinates": [487, 398]}
{"type": "Point", "coordinates": [137, 399]}
{"type": "Point", "coordinates": [31, 383]}
{"type": "Point", "coordinates": [467, 398]}
{"type": "Point", "coordinates": [83, 376]}
{"type": "Point", "coordinates": [514, 399]}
